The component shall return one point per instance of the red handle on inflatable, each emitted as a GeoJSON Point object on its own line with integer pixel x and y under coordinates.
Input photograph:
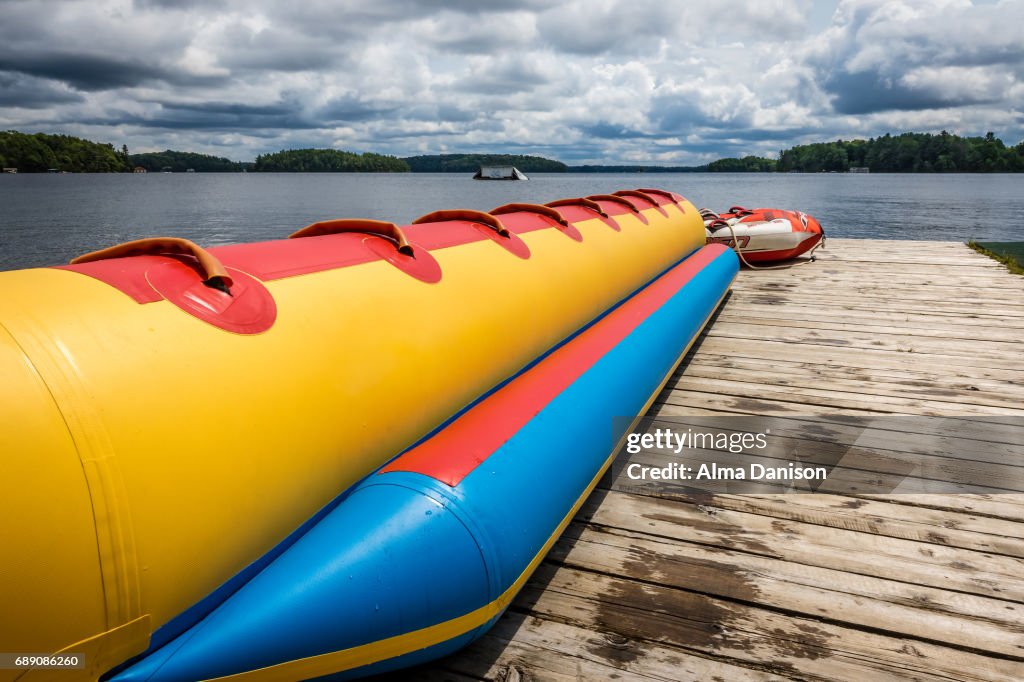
{"type": "Point", "coordinates": [465, 214]}
{"type": "Point", "coordinates": [214, 273]}
{"type": "Point", "coordinates": [640, 195]}
{"type": "Point", "coordinates": [539, 209]}
{"type": "Point", "coordinates": [580, 201]}
{"type": "Point", "coordinates": [380, 228]}
{"type": "Point", "coordinates": [660, 192]}
{"type": "Point", "coordinates": [635, 193]}
{"type": "Point", "coordinates": [617, 199]}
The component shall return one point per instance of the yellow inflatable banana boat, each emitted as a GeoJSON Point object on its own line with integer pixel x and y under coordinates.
{"type": "Point", "coordinates": [171, 416]}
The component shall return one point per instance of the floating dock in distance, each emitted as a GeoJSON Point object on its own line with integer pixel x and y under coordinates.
{"type": "Point", "coordinates": [802, 586]}
{"type": "Point", "coordinates": [500, 173]}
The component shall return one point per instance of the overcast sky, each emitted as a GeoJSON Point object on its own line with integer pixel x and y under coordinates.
{"type": "Point", "coordinates": [651, 81]}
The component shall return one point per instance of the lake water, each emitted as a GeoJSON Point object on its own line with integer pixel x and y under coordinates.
{"type": "Point", "coordinates": [47, 219]}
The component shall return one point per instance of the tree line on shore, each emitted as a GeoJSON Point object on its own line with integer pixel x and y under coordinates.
{"type": "Point", "coordinates": [327, 161]}
{"type": "Point", "coordinates": [40, 153]}
{"type": "Point", "coordinates": [907, 153]}
{"type": "Point", "coordinates": [470, 163]}
{"type": "Point", "coordinates": [179, 162]}
{"type": "Point", "coordinates": [748, 164]}
{"type": "Point", "coordinates": [904, 153]}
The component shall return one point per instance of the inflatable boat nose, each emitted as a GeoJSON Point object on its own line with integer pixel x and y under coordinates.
{"type": "Point", "coordinates": [345, 588]}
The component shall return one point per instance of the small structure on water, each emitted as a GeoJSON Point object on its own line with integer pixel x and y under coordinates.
{"type": "Point", "coordinates": [500, 173]}
{"type": "Point", "coordinates": [859, 169]}
{"type": "Point", "coordinates": [10, 170]}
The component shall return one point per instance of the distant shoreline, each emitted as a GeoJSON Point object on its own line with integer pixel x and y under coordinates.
{"type": "Point", "coordinates": [903, 153]}
{"type": "Point", "coordinates": [571, 170]}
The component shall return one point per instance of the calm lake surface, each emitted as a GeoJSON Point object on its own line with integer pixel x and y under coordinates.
{"type": "Point", "coordinates": [47, 219]}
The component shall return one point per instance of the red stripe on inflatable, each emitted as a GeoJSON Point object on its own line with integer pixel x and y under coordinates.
{"type": "Point", "coordinates": [450, 455]}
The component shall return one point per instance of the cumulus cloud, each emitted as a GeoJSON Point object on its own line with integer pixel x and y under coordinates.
{"type": "Point", "coordinates": [632, 81]}
{"type": "Point", "coordinates": [920, 54]}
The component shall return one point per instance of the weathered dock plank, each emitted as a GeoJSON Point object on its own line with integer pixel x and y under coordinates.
{"type": "Point", "coordinates": [881, 556]}
{"type": "Point", "coordinates": [654, 585]}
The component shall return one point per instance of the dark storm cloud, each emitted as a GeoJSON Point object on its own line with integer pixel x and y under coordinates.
{"type": "Point", "coordinates": [82, 71]}
{"type": "Point", "coordinates": [217, 117]}
{"type": "Point", "coordinates": [27, 92]}
{"type": "Point", "coordinates": [230, 108]}
{"type": "Point", "coordinates": [237, 116]}
{"type": "Point", "coordinates": [864, 93]}
{"type": "Point", "coordinates": [90, 72]}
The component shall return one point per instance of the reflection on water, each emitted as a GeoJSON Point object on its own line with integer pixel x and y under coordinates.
{"type": "Point", "coordinates": [47, 219]}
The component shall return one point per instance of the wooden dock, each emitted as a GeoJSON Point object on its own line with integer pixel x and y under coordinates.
{"type": "Point", "coordinates": [823, 587]}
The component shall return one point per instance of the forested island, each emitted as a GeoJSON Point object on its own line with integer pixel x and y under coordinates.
{"type": "Point", "coordinates": [904, 153]}
{"type": "Point", "coordinates": [180, 162]}
{"type": "Point", "coordinates": [470, 163]}
{"type": "Point", "coordinates": [748, 164]}
{"type": "Point", "coordinates": [327, 161]}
